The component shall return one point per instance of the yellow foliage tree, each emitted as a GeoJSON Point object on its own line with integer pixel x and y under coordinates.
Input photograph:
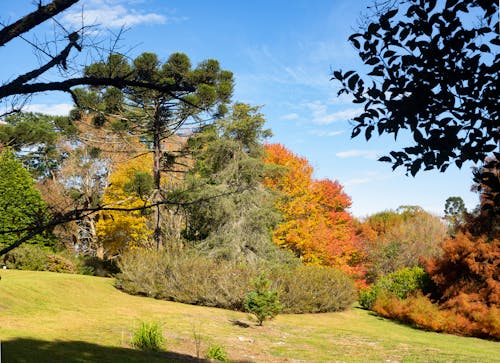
{"type": "Point", "coordinates": [129, 186]}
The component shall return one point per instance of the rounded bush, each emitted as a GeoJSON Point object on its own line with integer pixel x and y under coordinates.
{"type": "Point", "coordinates": [36, 258]}
{"type": "Point", "coordinates": [27, 257]}
{"type": "Point", "coordinates": [60, 264]}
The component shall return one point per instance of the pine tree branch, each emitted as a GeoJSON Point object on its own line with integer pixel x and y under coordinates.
{"type": "Point", "coordinates": [65, 86]}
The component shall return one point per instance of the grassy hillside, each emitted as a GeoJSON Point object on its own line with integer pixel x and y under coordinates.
{"type": "Point", "coordinates": [49, 317]}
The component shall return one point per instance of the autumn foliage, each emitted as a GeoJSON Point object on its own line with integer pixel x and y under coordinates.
{"type": "Point", "coordinates": [466, 297]}
{"type": "Point", "coordinates": [315, 223]}
{"type": "Point", "coordinates": [118, 230]}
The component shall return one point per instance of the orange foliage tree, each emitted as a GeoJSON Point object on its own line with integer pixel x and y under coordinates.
{"type": "Point", "coordinates": [315, 225]}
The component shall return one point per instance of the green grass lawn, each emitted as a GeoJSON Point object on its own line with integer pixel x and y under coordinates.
{"type": "Point", "coordinates": [49, 317]}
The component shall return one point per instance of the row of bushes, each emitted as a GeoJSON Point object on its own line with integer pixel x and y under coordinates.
{"type": "Point", "coordinates": [36, 258]}
{"type": "Point", "coordinates": [199, 280]}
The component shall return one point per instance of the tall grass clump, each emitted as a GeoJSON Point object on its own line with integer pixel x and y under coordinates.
{"type": "Point", "coordinates": [186, 278]}
{"type": "Point", "coordinates": [148, 336]}
{"type": "Point", "coordinates": [217, 352]}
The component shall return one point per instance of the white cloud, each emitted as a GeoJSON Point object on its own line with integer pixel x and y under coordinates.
{"type": "Point", "coordinates": [275, 67]}
{"type": "Point", "coordinates": [111, 14]}
{"type": "Point", "coordinates": [323, 133]}
{"type": "Point", "coordinates": [367, 154]}
{"type": "Point", "coordinates": [321, 115]}
{"type": "Point", "coordinates": [367, 177]}
{"type": "Point", "coordinates": [59, 109]}
{"type": "Point", "coordinates": [343, 99]}
{"type": "Point", "coordinates": [328, 51]}
{"type": "Point", "coordinates": [290, 116]}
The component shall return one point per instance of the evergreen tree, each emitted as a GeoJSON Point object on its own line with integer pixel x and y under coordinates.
{"type": "Point", "coordinates": [229, 164]}
{"type": "Point", "coordinates": [21, 205]}
{"type": "Point", "coordinates": [155, 116]}
{"type": "Point", "coordinates": [34, 137]}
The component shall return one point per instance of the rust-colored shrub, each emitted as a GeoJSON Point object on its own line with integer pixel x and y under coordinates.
{"type": "Point", "coordinates": [469, 265]}
{"type": "Point", "coordinates": [419, 311]}
{"type": "Point", "coordinates": [466, 299]}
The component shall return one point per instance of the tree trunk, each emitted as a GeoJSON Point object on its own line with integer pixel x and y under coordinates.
{"type": "Point", "coordinates": [157, 153]}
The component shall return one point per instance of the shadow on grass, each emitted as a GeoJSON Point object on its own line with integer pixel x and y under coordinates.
{"type": "Point", "coordinates": [240, 323]}
{"type": "Point", "coordinates": [23, 350]}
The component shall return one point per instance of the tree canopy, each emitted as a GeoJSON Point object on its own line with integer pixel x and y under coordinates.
{"type": "Point", "coordinates": [21, 205]}
{"type": "Point", "coordinates": [434, 72]}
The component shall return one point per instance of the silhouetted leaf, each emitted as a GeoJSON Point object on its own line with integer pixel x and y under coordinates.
{"type": "Point", "coordinates": [352, 81]}
{"type": "Point", "coordinates": [368, 132]}
{"type": "Point", "coordinates": [415, 167]}
{"type": "Point", "coordinates": [372, 61]}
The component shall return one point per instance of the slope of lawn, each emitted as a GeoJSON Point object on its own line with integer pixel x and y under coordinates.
{"type": "Point", "coordinates": [49, 317]}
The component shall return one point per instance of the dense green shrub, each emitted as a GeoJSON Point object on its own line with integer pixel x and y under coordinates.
{"type": "Point", "coordinates": [399, 284]}
{"type": "Point", "coordinates": [27, 257]}
{"type": "Point", "coordinates": [148, 337]}
{"type": "Point", "coordinates": [21, 205]}
{"type": "Point", "coordinates": [263, 302]}
{"type": "Point", "coordinates": [37, 258]}
{"type": "Point", "coordinates": [314, 289]}
{"type": "Point", "coordinates": [194, 279]}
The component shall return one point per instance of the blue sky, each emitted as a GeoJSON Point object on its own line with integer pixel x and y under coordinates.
{"type": "Point", "coordinates": [281, 53]}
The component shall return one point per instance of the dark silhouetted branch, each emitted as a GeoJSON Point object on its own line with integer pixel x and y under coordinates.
{"type": "Point", "coordinates": [33, 19]}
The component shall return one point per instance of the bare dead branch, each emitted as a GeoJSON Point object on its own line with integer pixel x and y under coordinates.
{"type": "Point", "coordinates": [33, 19]}
{"type": "Point", "coordinates": [59, 59]}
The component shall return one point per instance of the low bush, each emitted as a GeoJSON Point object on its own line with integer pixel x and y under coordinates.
{"type": "Point", "coordinates": [36, 258]}
{"type": "Point", "coordinates": [89, 265]}
{"type": "Point", "coordinates": [419, 311]}
{"type": "Point", "coordinates": [398, 284]}
{"type": "Point", "coordinates": [199, 280]}
{"type": "Point", "coordinates": [27, 257]}
{"type": "Point", "coordinates": [148, 337]}
{"type": "Point", "coordinates": [56, 263]}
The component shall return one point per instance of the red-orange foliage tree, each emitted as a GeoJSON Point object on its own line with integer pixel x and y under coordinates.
{"type": "Point", "coordinates": [467, 276]}
{"type": "Point", "coordinates": [315, 223]}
